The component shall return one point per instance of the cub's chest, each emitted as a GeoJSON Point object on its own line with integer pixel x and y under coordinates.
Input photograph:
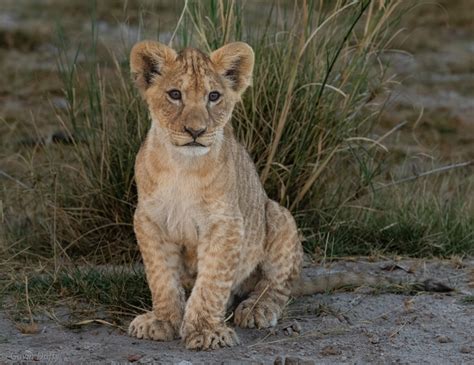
{"type": "Point", "coordinates": [177, 207]}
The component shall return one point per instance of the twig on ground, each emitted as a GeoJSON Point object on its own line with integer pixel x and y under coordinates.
{"type": "Point", "coordinates": [27, 299]}
{"type": "Point", "coordinates": [397, 331]}
{"type": "Point", "coordinates": [320, 334]}
{"type": "Point", "coordinates": [100, 321]}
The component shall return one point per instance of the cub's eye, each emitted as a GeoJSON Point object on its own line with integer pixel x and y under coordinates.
{"type": "Point", "coordinates": [175, 94]}
{"type": "Point", "coordinates": [214, 96]}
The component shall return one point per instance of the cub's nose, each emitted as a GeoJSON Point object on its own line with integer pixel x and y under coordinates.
{"type": "Point", "coordinates": [195, 133]}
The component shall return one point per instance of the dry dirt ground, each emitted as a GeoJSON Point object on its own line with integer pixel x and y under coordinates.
{"type": "Point", "coordinates": [353, 327]}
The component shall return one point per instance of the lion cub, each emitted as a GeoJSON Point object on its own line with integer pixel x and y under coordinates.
{"type": "Point", "coordinates": [203, 222]}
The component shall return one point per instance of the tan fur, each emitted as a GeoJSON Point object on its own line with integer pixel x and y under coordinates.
{"type": "Point", "coordinates": [203, 221]}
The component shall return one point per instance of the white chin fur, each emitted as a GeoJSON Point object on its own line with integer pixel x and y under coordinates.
{"type": "Point", "coordinates": [193, 151]}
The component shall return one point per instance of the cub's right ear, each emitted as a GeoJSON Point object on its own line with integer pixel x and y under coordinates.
{"type": "Point", "coordinates": [149, 59]}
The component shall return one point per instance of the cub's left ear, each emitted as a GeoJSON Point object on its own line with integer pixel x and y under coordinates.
{"type": "Point", "coordinates": [234, 62]}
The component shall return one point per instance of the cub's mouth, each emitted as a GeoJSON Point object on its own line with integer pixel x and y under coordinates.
{"type": "Point", "coordinates": [199, 145]}
{"type": "Point", "coordinates": [193, 144]}
{"type": "Point", "coordinates": [193, 148]}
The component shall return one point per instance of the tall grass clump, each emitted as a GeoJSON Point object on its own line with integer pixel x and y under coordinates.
{"type": "Point", "coordinates": [317, 93]}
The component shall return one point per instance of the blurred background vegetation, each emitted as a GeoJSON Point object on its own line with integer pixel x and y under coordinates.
{"type": "Point", "coordinates": [359, 120]}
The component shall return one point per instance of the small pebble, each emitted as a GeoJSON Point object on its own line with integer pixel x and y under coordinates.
{"type": "Point", "coordinates": [465, 350]}
{"type": "Point", "coordinates": [134, 357]}
{"type": "Point", "coordinates": [297, 361]}
{"type": "Point", "coordinates": [374, 340]}
{"type": "Point", "coordinates": [443, 339]}
{"type": "Point", "coordinates": [293, 330]}
{"type": "Point", "coordinates": [329, 351]}
{"type": "Point", "coordinates": [296, 327]}
{"type": "Point", "coordinates": [292, 361]}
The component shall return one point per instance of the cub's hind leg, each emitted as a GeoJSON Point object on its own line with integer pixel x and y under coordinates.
{"type": "Point", "coordinates": [163, 265]}
{"type": "Point", "coordinates": [279, 268]}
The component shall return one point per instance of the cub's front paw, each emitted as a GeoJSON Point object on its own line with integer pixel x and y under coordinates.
{"type": "Point", "coordinates": [148, 327]}
{"type": "Point", "coordinates": [208, 338]}
{"type": "Point", "coordinates": [261, 314]}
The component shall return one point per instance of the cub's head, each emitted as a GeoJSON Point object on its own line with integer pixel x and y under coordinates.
{"type": "Point", "coordinates": [191, 95]}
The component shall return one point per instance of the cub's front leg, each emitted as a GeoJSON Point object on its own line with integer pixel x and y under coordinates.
{"type": "Point", "coordinates": [218, 258]}
{"type": "Point", "coordinates": [163, 263]}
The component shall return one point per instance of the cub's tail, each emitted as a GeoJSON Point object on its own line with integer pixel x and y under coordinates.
{"type": "Point", "coordinates": [339, 280]}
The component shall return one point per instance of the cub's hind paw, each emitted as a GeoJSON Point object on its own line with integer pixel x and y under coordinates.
{"type": "Point", "coordinates": [262, 314]}
{"type": "Point", "coordinates": [148, 327]}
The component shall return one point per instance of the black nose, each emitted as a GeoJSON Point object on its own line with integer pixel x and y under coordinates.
{"type": "Point", "coordinates": [195, 133]}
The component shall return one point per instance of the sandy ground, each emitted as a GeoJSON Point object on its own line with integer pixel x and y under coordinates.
{"type": "Point", "coordinates": [355, 327]}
